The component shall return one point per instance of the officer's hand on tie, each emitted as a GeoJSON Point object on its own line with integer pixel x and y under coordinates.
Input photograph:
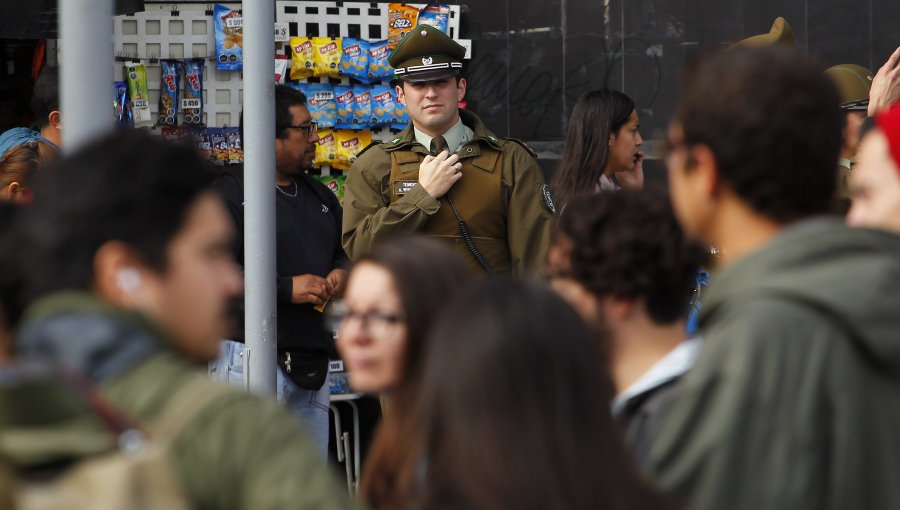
{"type": "Point", "coordinates": [437, 174]}
{"type": "Point", "coordinates": [309, 288]}
{"type": "Point", "coordinates": [886, 85]}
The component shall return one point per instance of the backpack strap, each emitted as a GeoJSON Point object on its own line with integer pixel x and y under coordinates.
{"type": "Point", "coordinates": [189, 402]}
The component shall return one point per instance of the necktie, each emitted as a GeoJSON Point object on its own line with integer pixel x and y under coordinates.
{"type": "Point", "coordinates": [438, 144]}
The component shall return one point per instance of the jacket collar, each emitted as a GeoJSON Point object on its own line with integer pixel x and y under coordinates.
{"type": "Point", "coordinates": [407, 137]}
{"type": "Point", "coordinates": [88, 335]}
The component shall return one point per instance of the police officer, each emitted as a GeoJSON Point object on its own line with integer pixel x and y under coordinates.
{"type": "Point", "coordinates": [446, 175]}
{"type": "Point", "coordinates": [853, 83]}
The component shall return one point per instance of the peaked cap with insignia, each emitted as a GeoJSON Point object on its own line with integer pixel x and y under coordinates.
{"type": "Point", "coordinates": [426, 54]}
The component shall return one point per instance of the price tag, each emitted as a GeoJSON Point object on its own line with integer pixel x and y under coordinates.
{"type": "Point", "coordinates": [190, 103]}
{"type": "Point", "coordinates": [281, 32]}
{"type": "Point", "coordinates": [140, 103]}
{"type": "Point", "coordinates": [235, 22]}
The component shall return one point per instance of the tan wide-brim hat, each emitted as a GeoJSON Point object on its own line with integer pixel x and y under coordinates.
{"type": "Point", "coordinates": [780, 33]}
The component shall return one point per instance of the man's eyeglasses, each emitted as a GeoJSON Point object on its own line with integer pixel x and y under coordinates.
{"type": "Point", "coordinates": [310, 128]}
{"type": "Point", "coordinates": [376, 323]}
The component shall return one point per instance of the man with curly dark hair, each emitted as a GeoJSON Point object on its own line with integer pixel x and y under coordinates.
{"type": "Point", "coordinates": [623, 262]}
{"type": "Point", "coordinates": [793, 401]}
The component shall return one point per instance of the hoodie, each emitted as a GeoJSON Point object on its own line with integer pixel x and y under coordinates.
{"type": "Point", "coordinates": [794, 400]}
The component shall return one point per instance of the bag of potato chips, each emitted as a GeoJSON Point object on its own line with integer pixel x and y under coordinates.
{"type": "Point", "coordinates": [349, 143]}
{"type": "Point", "coordinates": [355, 59]}
{"type": "Point", "coordinates": [139, 92]}
{"type": "Point", "coordinates": [235, 150]}
{"type": "Point", "coordinates": [383, 108]}
{"type": "Point", "coordinates": [379, 68]}
{"type": "Point", "coordinates": [435, 15]}
{"type": "Point", "coordinates": [229, 28]}
{"type": "Point", "coordinates": [325, 148]}
{"type": "Point", "coordinates": [219, 141]}
{"type": "Point", "coordinates": [327, 57]}
{"type": "Point", "coordinates": [401, 19]}
{"type": "Point", "coordinates": [169, 83]}
{"type": "Point", "coordinates": [302, 58]}
{"type": "Point", "coordinates": [362, 112]}
{"type": "Point", "coordinates": [320, 101]}
{"type": "Point", "coordinates": [335, 183]}
{"type": "Point", "coordinates": [346, 103]}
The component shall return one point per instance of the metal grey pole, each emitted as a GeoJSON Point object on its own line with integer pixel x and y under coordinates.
{"type": "Point", "coordinates": [259, 199]}
{"type": "Point", "coordinates": [86, 75]}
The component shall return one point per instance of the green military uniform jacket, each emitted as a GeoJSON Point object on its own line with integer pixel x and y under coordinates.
{"type": "Point", "coordinates": [501, 196]}
{"type": "Point", "coordinates": [242, 452]}
{"type": "Point", "coordinates": [794, 399]}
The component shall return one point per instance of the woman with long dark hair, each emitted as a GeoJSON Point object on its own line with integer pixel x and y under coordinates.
{"type": "Point", "coordinates": [602, 151]}
{"type": "Point", "coordinates": [512, 412]}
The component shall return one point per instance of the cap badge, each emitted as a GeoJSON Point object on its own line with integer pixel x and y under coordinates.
{"type": "Point", "coordinates": [424, 33]}
{"type": "Point", "coordinates": [426, 61]}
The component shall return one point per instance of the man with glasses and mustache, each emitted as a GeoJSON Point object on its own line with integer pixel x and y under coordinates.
{"type": "Point", "coordinates": [309, 263]}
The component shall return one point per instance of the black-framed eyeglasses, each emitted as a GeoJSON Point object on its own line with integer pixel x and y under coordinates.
{"type": "Point", "coordinates": [310, 128]}
{"type": "Point", "coordinates": [378, 324]}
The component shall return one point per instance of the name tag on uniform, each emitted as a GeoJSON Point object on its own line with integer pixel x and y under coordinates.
{"type": "Point", "coordinates": [404, 187]}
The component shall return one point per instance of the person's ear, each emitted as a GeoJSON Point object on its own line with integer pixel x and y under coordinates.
{"type": "Point", "coordinates": [119, 275]}
{"type": "Point", "coordinates": [400, 95]}
{"type": "Point", "coordinates": [460, 89]}
{"type": "Point", "coordinates": [702, 162]}
{"type": "Point", "coordinates": [55, 119]}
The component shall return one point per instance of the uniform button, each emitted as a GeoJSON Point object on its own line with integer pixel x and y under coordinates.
{"type": "Point", "coordinates": [468, 149]}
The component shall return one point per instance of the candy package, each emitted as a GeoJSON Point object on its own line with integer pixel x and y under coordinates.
{"type": "Point", "coordinates": [192, 103]}
{"type": "Point", "coordinates": [349, 143]}
{"type": "Point", "coordinates": [219, 141]}
{"type": "Point", "coordinates": [229, 28]}
{"type": "Point", "coordinates": [379, 68]}
{"type": "Point", "coordinates": [174, 134]}
{"type": "Point", "coordinates": [139, 92]}
{"type": "Point", "coordinates": [362, 112]}
{"type": "Point", "coordinates": [435, 15]}
{"type": "Point", "coordinates": [121, 106]}
{"type": "Point", "coordinates": [325, 148]}
{"type": "Point", "coordinates": [400, 113]}
{"type": "Point", "coordinates": [355, 59]}
{"type": "Point", "coordinates": [335, 183]}
{"type": "Point", "coordinates": [327, 53]}
{"type": "Point", "coordinates": [169, 83]}
{"type": "Point", "coordinates": [302, 58]}
{"type": "Point", "coordinates": [320, 100]}
{"type": "Point", "coordinates": [401, 19]}
{"type": "Point", "coordinates": [281, 63]}
{"type": "Point", "coordinates": [235, 151]}
{"type": "Point", "coordinates": [201, 136]}
{"type": "Point", "coordinates": [346, 103]}
{"type": "Point", "coordinates": [383, 107]}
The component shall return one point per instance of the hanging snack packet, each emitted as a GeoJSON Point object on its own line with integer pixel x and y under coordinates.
{"type": "Point", "coordinates": [346, 103]}
{"type": "Point", "coordinates": [401, 19]}
{"type": "Point", "coordinates": [325, 148]}
{"type": "Point", "coordinates": [201, 135]}
{"type": "Point", "coordinates": [302, 58]}
{"type": "Point", "coordinates": [139, 91]}
{"type": "Point", "coordinates": [401, 116]}
{"type": "Point", "coordinates": [281, 62]}
{"type": "Point", "coordinates": [320, 99]}
{"type": "Point", "coordinates": [435, 15]}
{"type": "Point", "coordinates": [169, 82]}
{"type": "Point", "coordinates": [327, 54]}
{"type": "Point", "coordinates": [192, 103]}
{"type": "Point", "coordinates": [229, 28]}
{"type": "Point", "coordinates": [335, 183]}
{"type": "Point", "coordinates": [383, 107]}
{"type": "Point", "coordinates": [355, 59]}
{"type": "Point", "coordinates": [349, 143]}
{"type": "Point", "coordinates": [219, 142]}
{"type": "Point", "coordinates": [379, 68]}
{"type": "Point", "coordinates": [362, 112]}
{"type": "Point", "coordinates": [235, 151]}
{"type": "Point", "coordinates": [121, 108]}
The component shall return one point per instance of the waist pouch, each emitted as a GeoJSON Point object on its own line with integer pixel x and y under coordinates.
{"type": "Point", "coordinates": [306, 373]}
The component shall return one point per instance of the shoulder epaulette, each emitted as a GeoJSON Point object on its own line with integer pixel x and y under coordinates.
{"type": "Point", "coordinates": [524, 145]}
{"type": "Point", "coordinates": [367, 147]}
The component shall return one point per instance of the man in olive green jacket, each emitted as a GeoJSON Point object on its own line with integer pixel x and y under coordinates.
{"type": "Point", "coordinates": [445, 168]}
{"type": "Point", "coordinates": [794, 399]}
{"type": "Point", "coordinates": [131, 279]}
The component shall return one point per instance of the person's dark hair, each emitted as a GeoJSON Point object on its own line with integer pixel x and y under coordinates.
{"type": "Point", "coordinates": [596, 116]}
{"type": "Point", "coordinates": [426, 274]}
{"type": "Point", "coordinates": [127, 186]}
{"type": "Point", "coordinates": [20, 163]}
{"type": "Point", "coordinates": [45, 96]}
{"type": "Point", "coordinates": [629, 245]}
{"type": "Point", "coordinates": [285, 98]}
{"type": "Point", "coordinates": [768, 116]}
{"type": "Point", "coordinates": [10, 275]}
{"type": "Point", "coordinates": [513, 412]}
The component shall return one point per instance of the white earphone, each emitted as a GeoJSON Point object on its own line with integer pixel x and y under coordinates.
{"type": "Point", "coordinates": [128, 280]}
